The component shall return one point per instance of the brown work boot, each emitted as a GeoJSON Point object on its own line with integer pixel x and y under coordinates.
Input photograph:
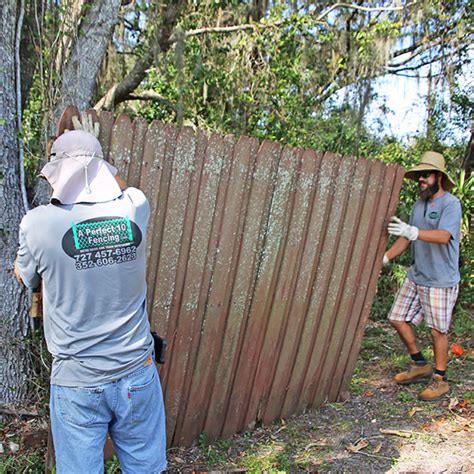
{"type": "Point", "coordinates": [414, 373]}
{"type": "Point", "coordinates": [435, 390]}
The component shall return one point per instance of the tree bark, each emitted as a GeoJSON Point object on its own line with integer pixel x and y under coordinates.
{"type": "Point", "coordinates": [30, 42]}
{"type": "Point", "coordinates": [15, 365]}
{"type": "Point", "coordinates": [79, 74]}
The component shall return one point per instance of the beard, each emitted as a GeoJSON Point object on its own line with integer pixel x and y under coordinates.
{"type": "Point", "coordinates": [429, 191]}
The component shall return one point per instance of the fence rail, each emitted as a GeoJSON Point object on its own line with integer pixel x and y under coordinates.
{"type": "Point", "coordinates": [263, 264]}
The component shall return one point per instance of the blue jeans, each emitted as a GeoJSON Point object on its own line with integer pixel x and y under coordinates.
{"type": "Point", "coordinates": [130, 408]}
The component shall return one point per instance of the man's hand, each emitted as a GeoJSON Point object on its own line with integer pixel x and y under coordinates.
{"type": "Point", "coordinates": [400, 228]}
{"type": "Point", "coordinates": [120, 182]}
{"type": "Point", "coordinates": [385, 261]}
{"type": "Point", "coordinates": [17, 273]}
{"type": "Point", "coordinates": [86, 123]}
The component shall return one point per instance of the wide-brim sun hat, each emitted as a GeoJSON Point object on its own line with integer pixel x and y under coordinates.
{"type": "Point", "coordinates": [77, 171]}
{"type": "Point", "coordinates": [431, 161]}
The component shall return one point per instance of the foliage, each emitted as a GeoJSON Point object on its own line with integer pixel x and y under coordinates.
{"type": "Point", "coordinates": [272, 78]}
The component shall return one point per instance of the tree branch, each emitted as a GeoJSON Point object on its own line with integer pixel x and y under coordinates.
{"type": "Point", "coordinates": [422, 48]}
{"type": "Point", "coordinates": [222, 29]}
{"type": "Point", "coordinates": [361, 8]}
{"type": "Point", "coordinates": [254, 26]}
{"type": "Point", "coordinates": [151, 95]}
{"type": "Point", "coordinates": [419, 65]}
{"type": "Point", "coordinates": [159, 44]}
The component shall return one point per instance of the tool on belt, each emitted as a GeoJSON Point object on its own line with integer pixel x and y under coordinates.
{"type": "Point", "coordinates": [160, 348]}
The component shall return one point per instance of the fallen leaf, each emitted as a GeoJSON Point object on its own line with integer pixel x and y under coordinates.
{"type": "Point", "coordinates": [369, 393]}
{"type": "Point", "coordinates": [457, 350]}
{"type": "Point", "coordinates": [35, 439]}
{"type": "Point", "coordinates": [464, 403]}
{"type": "Point", "coordinates": [13, 447]}
{"type": "Point", "coordinates": [177, 459]}
{"type": "Point", "coordinates": [452, 403]}
{"type": "Point", "coordinates": [413, 411]}
{"type": "Point", "coordinates": [361, 444]}
{"type": "Point", "coordinates": [377, 448]}
{"type": "Point", "coordinates": [315, 444]}
{"type": "Point", "coordinates": [403, 434]}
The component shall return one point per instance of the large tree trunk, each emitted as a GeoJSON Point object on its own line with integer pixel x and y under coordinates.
{"type": "Point", "coordinates": [30, 42]}
{"type": "Point", "coordinates": [79, 73]}
{"type": "Point", "coordinates": [14, 300]}
{"type": "Point", "coordinates": [81, 54]}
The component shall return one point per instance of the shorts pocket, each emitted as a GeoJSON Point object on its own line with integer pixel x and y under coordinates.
{"type": "Point", "coordinates": [77, 405]}
{"type": "Point", "coordinates": [142, 394]}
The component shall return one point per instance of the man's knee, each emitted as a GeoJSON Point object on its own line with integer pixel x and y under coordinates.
{"type": "Point", "coordinates": [436, 334]}
{"type": "Point", "coordinates": [397, 324]}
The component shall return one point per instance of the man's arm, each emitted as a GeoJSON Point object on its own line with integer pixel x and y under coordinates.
{"type": "Point", "coordinates": [410, 232]}
{"type": "Point", "coordinates": [436, 236]}
{"type": "Point", "coordinates": [25, 266]}
{"type": "Point", "coordinates": [398, 247]}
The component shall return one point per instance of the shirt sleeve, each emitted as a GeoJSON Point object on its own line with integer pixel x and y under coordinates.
{"type": "Point", "coordinates": [450, 219]}
{"type": "Point", "coordinates": [139, 200]}
{"type": "Point", "coordinates": [26, 264]}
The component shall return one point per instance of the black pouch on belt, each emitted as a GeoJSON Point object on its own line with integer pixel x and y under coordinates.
{"type": "Point", "coordinates": [160, 348]}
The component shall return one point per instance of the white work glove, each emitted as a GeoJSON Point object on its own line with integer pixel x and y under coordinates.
{"type": "Point", "coordinates": [398, 227]}
{"type": "Point", "coordinates": [385, 260]}
{"type": "Point", "coordinates": [86, 123]}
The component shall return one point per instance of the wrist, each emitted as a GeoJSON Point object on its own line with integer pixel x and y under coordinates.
{"type": "Point", "coordinates": [412, 233]}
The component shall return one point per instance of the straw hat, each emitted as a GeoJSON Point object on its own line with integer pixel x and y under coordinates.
{"type": "Point", "coordinates": [430, 160]}
{"type": "Point", "coordinates": [78, 173]}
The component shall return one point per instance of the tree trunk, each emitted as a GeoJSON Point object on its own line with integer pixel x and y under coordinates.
{"type": "Point", "coordinates": [78, 73]}
{"type": "Point", "coordinates": [30, 42]}
{"type": "Point", "coordinates": [78, 76]}
{"type": "Point", "coordinates": [15, 364]}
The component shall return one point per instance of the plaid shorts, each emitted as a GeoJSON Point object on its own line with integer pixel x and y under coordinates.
{"type": "Point", "coordinates": [415, 303]}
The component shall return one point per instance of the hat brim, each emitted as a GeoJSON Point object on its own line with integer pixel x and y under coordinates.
{"type": "Point", "coordinates": [447, 182]}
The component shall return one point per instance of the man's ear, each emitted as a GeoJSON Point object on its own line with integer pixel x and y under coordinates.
{"type": "Point", "coordinates": [440, 178]}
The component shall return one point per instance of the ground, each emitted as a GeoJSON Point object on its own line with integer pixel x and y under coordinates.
{"type": "Point", "coordinates": [381, 428]}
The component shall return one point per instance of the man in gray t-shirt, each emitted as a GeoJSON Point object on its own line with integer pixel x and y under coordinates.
{"type": "Point", "coordinates": [431, 287]}
{"type": "Point", "coordinates": [88, 248]}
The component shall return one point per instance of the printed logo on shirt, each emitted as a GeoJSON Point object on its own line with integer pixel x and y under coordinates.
{"type": "Point", "coordinates": [102, 241]}
{"type": "Point", "coordinates": [433, 215]}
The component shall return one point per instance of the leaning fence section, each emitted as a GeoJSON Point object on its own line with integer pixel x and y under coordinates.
{"type": "Point", "coordinates": [263, 262]}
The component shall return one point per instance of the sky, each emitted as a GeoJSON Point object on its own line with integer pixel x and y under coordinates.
{"type": "Point", "coordinates": [405, 98]}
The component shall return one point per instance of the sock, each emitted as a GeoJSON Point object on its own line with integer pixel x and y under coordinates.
{"type": "Point", "coordinates": [418, 358]}
{"type": "Point", "coordinates": [441, 372]}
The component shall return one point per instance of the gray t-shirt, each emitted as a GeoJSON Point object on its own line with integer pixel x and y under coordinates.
{"type": "Point", "coordinates": [92, 260]}
{"type": "Point", "coordinates": [436, 265]}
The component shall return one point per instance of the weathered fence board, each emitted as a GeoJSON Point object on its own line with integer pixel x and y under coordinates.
{"type": "Point", "coordinates": [262, 266]}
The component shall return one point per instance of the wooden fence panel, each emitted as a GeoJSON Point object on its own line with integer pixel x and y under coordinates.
{"type": "Point", "coordinates": [292, 318]}
{"type": "Point", "coordinates": [161, 139]}
{"type": "Point", "coordinates": [306, 279]}
{"type": "Point", "coordinates": [213, 354]}
{"type": "Point", "coordinates": [120, 154]}
{"type": "Point", "coordinates": [338, 349]}
{"type": "Point", "coordinates": [262, 266]}
{"type": "Point", "coordinates": [248, 274]}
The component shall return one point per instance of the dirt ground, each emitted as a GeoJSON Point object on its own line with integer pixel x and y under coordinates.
{"type": "Point", "coordinates": [381, 428]}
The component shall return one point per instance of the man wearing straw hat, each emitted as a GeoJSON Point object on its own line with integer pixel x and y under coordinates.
{"type": "Point", "coordinates": [430, 290]}
{"type": "Point", "coordinates": [88, 248]}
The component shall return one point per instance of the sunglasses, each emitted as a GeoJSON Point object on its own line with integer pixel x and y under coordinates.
{"type": "Point", "coordinates": [425, 174]}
